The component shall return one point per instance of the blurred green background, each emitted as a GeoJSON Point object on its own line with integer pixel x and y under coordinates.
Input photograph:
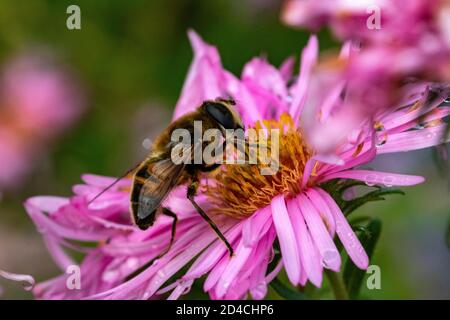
{"type": "Point", "coordinates": [131, 58]}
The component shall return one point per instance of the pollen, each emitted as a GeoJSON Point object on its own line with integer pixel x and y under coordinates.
{"type": "Point", "coordinates": [238, 190]}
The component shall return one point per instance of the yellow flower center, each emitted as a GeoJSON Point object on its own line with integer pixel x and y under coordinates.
{"type": "Point", "coordinates": [239, 190]}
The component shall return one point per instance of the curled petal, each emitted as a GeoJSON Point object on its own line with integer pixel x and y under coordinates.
{"type": "Point", "coordinates": [27, 280]}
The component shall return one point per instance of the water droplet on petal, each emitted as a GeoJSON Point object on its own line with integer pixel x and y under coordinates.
{"type": "Point", "coordinates": [370, 180]}
{"type": "Point", "coordinates": [110, 275]}
{"type": "Point", "coordinates": [329, 256]}
{"type": "Point", "coordinates": [447, 101]}
{"type": "Point", "coordinates": [388, 181]}
{"type": "Point", "coordinates": [147, 143]}
{"type": "Point", "coordinates": [132, 262]}
{"type": "Point", "coordinates": [146, 295]}
{"type": "Point", "coordinates": [161, 273]}
{"type": "Point", "coordinates": [42, 230]}
{"type": "Point", "coordinates": [259, 291]}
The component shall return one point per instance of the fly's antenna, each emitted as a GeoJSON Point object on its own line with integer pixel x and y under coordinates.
{"type": "Point", "coordinates": [114, 183]}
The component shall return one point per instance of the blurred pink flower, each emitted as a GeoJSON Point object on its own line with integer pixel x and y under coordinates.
{"type": "Point", "coordinates": [400, 23]}
{"type": "Point", "coordinates": [304, 222]}
{"type": "Point", "coordinates": [38, 100]}
{"type": "Point", "coordinates": [385, 61]}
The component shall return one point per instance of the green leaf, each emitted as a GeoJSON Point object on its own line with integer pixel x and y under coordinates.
{"type": "Point", "coordinates": [376, 195]}
{"type": "Point", "coordinates": [285, 291]}
{"type": "Point", "coordinates": [353, 276]}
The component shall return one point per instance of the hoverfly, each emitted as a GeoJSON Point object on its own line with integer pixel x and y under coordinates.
{"type": "Point", "coordinates": [157, 175]}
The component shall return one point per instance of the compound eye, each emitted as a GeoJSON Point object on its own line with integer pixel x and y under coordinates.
{"type": "Point", "coordinates": [221, 114]}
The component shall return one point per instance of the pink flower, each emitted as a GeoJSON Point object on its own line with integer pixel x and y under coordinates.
{"type": "Point", "coordinates": [373, 21]}
{"type": "Point", "coordinates": [252, 210]}
{"type": "Point", "coordinates": [394, 50]}
{"type": "Point", "coordinates": [38, 100]}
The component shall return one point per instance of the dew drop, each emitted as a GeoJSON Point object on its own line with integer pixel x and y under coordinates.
{"type": "Point", "coordinates": [161, 273]}
{"type": "Point", "coordinates": [147, 143]}
{"type": "Point", "coordinates": [329, 256]}
{"type": "Point", "coordinates": [259, 291]}
{"type": "Point", "coordinates": [146, 295]}
{"type": "Point", "coordinates": [370, 180]}
{"type": "Point", "coordinates": [132, 262]}
{"type": "Point", "coordinates": [388, 181]}
{"type": "Point", "coordinates": [110, 275]}
{"type": "Point", "coordinates": [447, 101]}
{"type": "Point", "coordinates": [42, 230]}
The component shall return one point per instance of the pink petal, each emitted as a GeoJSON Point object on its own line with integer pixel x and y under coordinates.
{"type": "Point", "coordinates": [215, 273]}
{"type": "Point", "coordinates": [210, 257]}
{"type": "Point", "coordinates": [61, 258]}
{"type": "Point", "coordinates": [346, 235]}
{"type": "Point", "coordinates": [256, 226]}
{"type": "Point", "coordinates": [377, 177]}
{"type": "Point", "coordinates": [233, 268]}
{"type": "Point", "coordinates": [329, 159]}
{"type": "Point", "coordinates": [323, 210]}
{"type": "Point", "coordinates": [416, 139]}
{"type": "Point", "coordinates": [287, 68]}
{"type": "Point", "coordinates": [308, 61]}
{"type": "Point", "coordinates": [328, 251]}
{"type": "Point", "coordinates": [205, 78]}
{"type": "Point", "coordinates": [48, 203]}
{"type": "Point", "coordinates": [286, 237]}
{"type": "Point", "coordinates": [181, 289]}
{"type": "Point", "coordinates": [245, 101]}
{"type": "Point", "coordinates": [309, 256]}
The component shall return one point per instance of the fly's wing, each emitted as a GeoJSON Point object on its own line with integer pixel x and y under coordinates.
{"type": "Point", "coordinates": [152, 183]}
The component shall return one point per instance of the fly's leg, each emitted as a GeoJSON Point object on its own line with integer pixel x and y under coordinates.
{"type": "Point", "coordinates": [168, 213]}
{"type": "Point", "coordinates": [191, 192]}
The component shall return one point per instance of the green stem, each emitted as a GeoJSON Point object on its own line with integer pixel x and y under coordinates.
{"type": "Point", "coordinates": [337, 285]}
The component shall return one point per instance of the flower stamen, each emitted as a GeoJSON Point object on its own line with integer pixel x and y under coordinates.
{"type": "Point", "coordinates": [240, 190]}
